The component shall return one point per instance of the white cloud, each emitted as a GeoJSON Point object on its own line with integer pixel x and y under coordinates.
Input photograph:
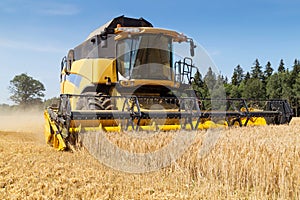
{"type": "Point", "coordinates": [13, 44]}
{"type": "Point", "coordinates": [58, 9]}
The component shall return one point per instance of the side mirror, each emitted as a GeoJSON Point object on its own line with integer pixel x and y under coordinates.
{"type": "Point", "coordinates": [192, 47]}
{"type": "Point", "coordinates": [63, 67]}
{"type": "Point", "coordinates": [63, 63]}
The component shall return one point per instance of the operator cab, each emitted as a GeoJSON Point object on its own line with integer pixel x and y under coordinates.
{"type": "Point", "coordinates": [151, 54]}
{"type": "Point", "coordinates": [140, 51]}
{"type": "Point", "coordinates": [145, 56]}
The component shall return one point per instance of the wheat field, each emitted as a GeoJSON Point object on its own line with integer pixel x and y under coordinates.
{"type": "Point", "coordinates": [241, 163]}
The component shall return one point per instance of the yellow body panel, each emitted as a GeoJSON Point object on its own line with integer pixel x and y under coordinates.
{"type": "Point", "coordinates": [104, 68]}
{"type": "Point", "coordinates": [255, 121]}
{"type": "Point", "coordinates": [85, 72]}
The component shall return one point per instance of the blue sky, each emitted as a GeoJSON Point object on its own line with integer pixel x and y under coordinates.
{"type": "Point", "coordinates": [36, 34]}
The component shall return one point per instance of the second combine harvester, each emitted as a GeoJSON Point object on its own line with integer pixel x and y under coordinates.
{"type": "Point", "coordinates": [127, 75]}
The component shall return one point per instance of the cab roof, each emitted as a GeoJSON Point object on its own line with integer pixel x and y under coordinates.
{"type": "Point", "coordinates": [110, 26]}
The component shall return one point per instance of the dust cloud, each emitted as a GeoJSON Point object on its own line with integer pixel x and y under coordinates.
{"type": "Point", "coordinates": [29, 121]}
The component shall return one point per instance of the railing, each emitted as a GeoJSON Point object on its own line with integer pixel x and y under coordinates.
{"type": "Point", "coordinates": [183, 70]}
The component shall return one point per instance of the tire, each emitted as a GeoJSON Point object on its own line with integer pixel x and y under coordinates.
{"type": "Point", "coordinates": [94, 102]}
{"type": "Point", "coordinates": [236, 122]}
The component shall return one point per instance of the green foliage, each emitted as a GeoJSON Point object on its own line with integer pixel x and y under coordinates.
{"type": "Point", "coordinates": [218, 91]}
{"type": "Point", "coordinates": [236, 91]}
{"type": "Point", "coordinates": [281, 67]}
{"type": "Point", "coordinates": [25, 90]}
{"type": "Point", "coordinates": [268, 70]}
{"type": "Point", "coordinates": [253, 88]}
{"type": "Point", "coordinates": [247, 76]}
{"type": "Point", "coordinates": [238, 75]}
{"type": "Point", "coordinates": [52, 102]}
{"type": "Point", "coordinates": [210, 79]}
{"type": "Point", "coordinates": [211, 86]}
{"type": "Point", "coordinates": [198, 86]}
{"type": "Point", "coordinates": [295, 72]}
{"type": "Point", "coordinates": [274, 86]}
{"type": "Point", "coordinates": [257, 84]}
{"type": "Point", "coordinates": [296, 88]}
{"type": "Point", "coordinates": [228, 89]}
{"type": "Point", "coordinates": [256, 71]}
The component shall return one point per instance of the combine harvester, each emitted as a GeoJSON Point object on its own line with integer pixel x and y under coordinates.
{"type": "Point", "coordinates": [127, 76]}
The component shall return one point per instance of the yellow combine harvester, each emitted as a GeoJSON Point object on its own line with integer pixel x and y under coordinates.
{"type": "Point", "coordinates": [127, 76]}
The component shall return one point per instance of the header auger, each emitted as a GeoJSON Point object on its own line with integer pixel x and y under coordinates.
{"type": "Point", "coordinates": [129, 76]}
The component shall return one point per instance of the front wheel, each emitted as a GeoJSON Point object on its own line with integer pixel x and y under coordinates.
{"type": "Point", "coordinates": [94, 101]}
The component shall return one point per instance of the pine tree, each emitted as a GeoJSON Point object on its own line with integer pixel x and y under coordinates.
{"type": "Point", "coordinates": [218, 91]}
{"type": "Point", "coordinates": [256, 71]}
{"type": "Point", "coordinates": [226, 80]}
{"type": "Point", "coordinates": [297, 86]}
{"type": "Point", "coordinates": [268, 70]}
{"type": "Point", "coordinates": [210, 79]}
{"type": "Point", "coordinates": [287, 92]}
{"type": "Point", "coordinates": [198, 84]}
{"type": "Point", "coordinates": [247, 76]}
{"type": "Point", "coordinates": [296, 92]}
{"type": "Point", "coordinates": [256, 84]}
{"type": "Point", "coordinates": [238, 75]}
{"type": "Point", "coordinates": [266, 74]}
{"type": "Point", "coordinates": [281, 67]}
{"type": "Point", "coordinates": [294, 82]}
{"type": "Point", "coordinates": [295, 72]}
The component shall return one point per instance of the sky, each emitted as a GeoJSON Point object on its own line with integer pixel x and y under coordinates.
{"type": "Point", "coordinates": [35, 35]}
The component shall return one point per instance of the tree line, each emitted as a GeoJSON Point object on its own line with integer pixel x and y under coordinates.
{"type": "Point", "coordinates": [27, 93]}
{"type": "Point", "coordinates": [260, 83]}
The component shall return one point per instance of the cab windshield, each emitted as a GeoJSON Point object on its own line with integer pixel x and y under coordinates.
{"type": "Point", "coordinates": [146, 56]}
